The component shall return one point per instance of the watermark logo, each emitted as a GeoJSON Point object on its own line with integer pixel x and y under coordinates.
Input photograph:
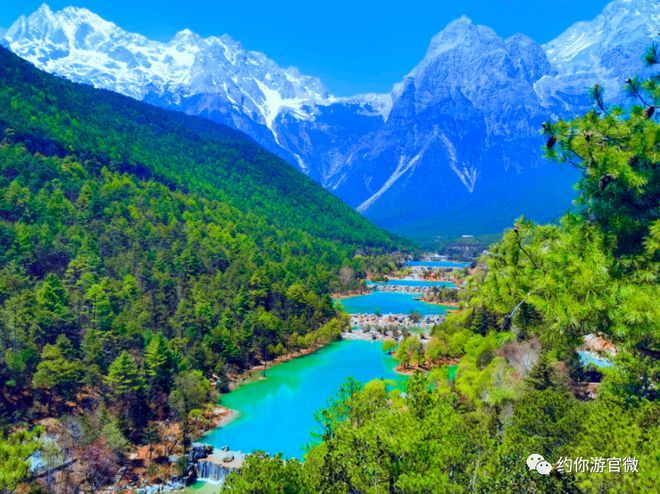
{"type": "Point", "coordinates": [583, 465]}
{"type": "Point", "coordinates": [597, 464]}
{"type": "Point", "coordinates": [538, 463]}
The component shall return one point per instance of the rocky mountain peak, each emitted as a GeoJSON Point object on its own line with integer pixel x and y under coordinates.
{"type": "Point", "coordinates": [621, 22]}
{"type": "Point", "coordinates": [186, 36]}
{"type": "Point", "coordinates": [606, 50]}
{"type": "Point", "coordinates": [528, 57]}
{"type": "Point", "coordinates": [462, 33]}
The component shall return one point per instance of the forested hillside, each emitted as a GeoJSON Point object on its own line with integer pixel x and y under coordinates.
{"type": "Point", "coordinates": [517, 386]}
{"type": "Point", "coordinates": [142, 252]}
{"type": "Point", "coordinates": [53, 117]}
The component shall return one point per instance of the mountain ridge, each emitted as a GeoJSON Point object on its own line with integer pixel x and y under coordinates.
{"type": "Point", "coordinates": [463, 121]}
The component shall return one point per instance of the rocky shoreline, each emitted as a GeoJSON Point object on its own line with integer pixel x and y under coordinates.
{"type": "Point", "coordinates": [410, 288]}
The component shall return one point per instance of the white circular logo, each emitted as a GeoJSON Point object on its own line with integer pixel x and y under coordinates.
{"type": "Point", "coordinates": [538, 463]}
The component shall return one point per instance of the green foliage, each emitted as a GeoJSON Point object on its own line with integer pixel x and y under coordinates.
{"type": "Point", "coordinates": [115, 439]}
{"type": "Point", "coordinates": [57, 374]}
{"type": "Point", "coordinates": [598, 270]}
{"type": "Point", "coordinates": [492, 384]}
{"type": "Point", "coordinates": [191, 391]}
{"type": "Point", "coordinates": [544, 421]}
{"type": "Point", "coordinates": [482, 321]}
{"type": "Point", "coordinates": [262, 474]}
{"type": "Point", "coordinates": [159, 363]}
{"type": "Point", "coordinates": [375, 446]}
{"type": "Point", "coordinates": [410, 352]}
{"type": "Point", "coordinates": [389, 346]}
{"type": "Point", "coordinates": [15, 450]}
{"type": "Point", "coordinates": [125, 383]}
{"type": "Point", "coordinates": [614, 430]}
{"type": "Point", "coordinates": [615, 149]}
{"type": "Point", "coordinates": [124, 377]}
{"type": "Point", "coordinates": [633, 380]}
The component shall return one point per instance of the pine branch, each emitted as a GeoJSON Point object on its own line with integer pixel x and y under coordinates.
{"type": "Point", "coordinates": [633, 89]}
{"type": "Point", "coordinates": [520, 246]}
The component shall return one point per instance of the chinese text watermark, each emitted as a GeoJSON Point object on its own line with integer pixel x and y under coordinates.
{"type": "Point", "coordinates": [597, 464]}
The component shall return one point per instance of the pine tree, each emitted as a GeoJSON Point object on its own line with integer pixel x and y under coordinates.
{"type": "Point", "coordinates": [124, 377]}
{"type": "Point", "coordinates": [191, 391]}
{"type": "Point", "coordinates": [617, 153]}
{"type": "Point", "coordinates": [53, 314]}
{"type": "Point", "coordinates": [480, 321]}
{"type": "Point", "coordinates": [544, 375]}
{"type": "Point", "coordinates": [126, 385]}
{"type": "Point", "coordinates": [228, 347]}
{"type": "Point", "coordinates": [57, 374]}
{"type": "Point", "coordinates": [158, 364]}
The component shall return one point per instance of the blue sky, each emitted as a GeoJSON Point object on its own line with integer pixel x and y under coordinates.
{"type": "Point", "coordinates": [352, 45]}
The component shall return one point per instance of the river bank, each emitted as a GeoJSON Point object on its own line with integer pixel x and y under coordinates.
{"type": "Point", "coordinates": [236, 379]}
{"type": "Point", "coordinates": [350, 293]}
{"type": "Point", "coordinates": [444, 303]}
{"type": "Point", "coordinates": [367, 321]}
{"type": "Point", "coordinates": [416, 276]}
{"type": "Point", "coordinates": [362, 335]}
{"type": "Point", "coordinates": [425, 367]}
{"type": "Point", "coordinates": [415, 289]}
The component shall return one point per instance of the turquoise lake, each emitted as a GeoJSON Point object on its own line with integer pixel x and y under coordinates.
{"type": "Point", "coordinates": [277, 413]}
{"type": "Point", "coordinates": [389, 303]}
{"type": "Point", "coordinates": [411, 283]}
{"type": "Point", "coordinates": [438, 264]}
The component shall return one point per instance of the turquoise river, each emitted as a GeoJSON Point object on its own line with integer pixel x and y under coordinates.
{"type": "Point", "coordinates": [276, 414]}
{"type": "Point", "coordinates": [415, 283]}
{"type": "Point", "coordinates": [389, 303]}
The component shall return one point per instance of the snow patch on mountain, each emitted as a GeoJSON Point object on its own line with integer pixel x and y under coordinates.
{"type": "Point", "coordinates": [78, 44]}
{"type": "Point", "coordinates": [368, 104]}
{"type": "Point", "coordinates": [467, 175]}
{"type": "Point", "coordinates": [404, 166]}
{"type": "Point", "coordinates": [621, 22]}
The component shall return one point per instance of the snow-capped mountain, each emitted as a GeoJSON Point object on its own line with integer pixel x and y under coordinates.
{"type": "Point", "coordinates": [605, 50]}
{"type": "Point", "coordinates": [453, 148]}
{"type": "Point", "coordinates": [460, 144]}
{"type": "Point", "coordinates": [213, 76]}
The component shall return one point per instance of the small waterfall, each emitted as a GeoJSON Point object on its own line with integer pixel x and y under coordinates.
{"type": "Point", "coordinates": [216, 466]}
{"type": "Point", "coordinates": [209, 471]}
